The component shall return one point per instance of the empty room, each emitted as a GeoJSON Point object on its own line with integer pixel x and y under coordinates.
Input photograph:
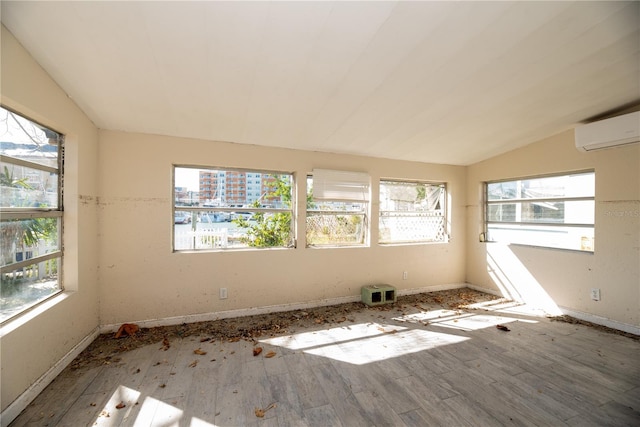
{"type": "Point", "coordinates": [320, 213]}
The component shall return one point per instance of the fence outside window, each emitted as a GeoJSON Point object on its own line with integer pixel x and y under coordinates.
{"type": "Point", "coordinates": [412, 212]}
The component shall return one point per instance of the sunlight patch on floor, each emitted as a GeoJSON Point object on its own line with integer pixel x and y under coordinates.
{"type": "Point", "coordinates": [153, 412]}
{"type": "Point", "coordinates": [365, 343]}
{"type": "Point", "coordinates": [114, 412]}
{"type": "Point", "coordinates": [458, 320]}
{"type": "Point", "coordinates": [197, 422]}
{"type": "Point", "coordinates": [324, 337]}
{"type": "Point", "coordinates": [510, 307]}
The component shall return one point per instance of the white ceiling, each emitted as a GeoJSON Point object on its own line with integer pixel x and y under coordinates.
{"type": "Point", "coordinates": [443, 82]}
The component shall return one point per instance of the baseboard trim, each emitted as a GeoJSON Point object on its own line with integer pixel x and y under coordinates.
{"type": "Point", "coordinates": [17, 406]}
{"type": "Point", "coordinates": [485, 290]}
{"type": "Point", "coordinates": [598, 320]}
{"type": "Point", "coordinates": [243, 312]}
{"type": "Point", "coordinates": [435, 288]}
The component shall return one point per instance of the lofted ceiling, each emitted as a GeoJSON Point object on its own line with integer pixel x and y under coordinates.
{"type": "Point", "coordinates": [441, 82]}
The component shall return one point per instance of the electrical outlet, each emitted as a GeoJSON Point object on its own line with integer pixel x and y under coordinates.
{"type": "Point", "coordinates": [405, 275]}
{"type": "Point", "coordinates": [595, 294]}
{"type": "Point", "coordinates": [223, 293]}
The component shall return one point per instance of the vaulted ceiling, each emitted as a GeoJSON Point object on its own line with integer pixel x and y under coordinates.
{"type": "Point", "coordinates": [443, 82]}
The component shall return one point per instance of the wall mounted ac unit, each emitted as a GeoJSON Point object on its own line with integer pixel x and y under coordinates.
{"type": "Point", "coordinates": [613, 132]}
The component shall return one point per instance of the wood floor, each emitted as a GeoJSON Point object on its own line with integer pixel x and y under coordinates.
{"type": "Point", "coordinates": [403, 367]}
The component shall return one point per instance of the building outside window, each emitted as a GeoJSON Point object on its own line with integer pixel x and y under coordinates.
{"type": "Point", "coordinates": [228, 217]}
{"type": "Point", "coordinates": [412, 212]}
{"type": "Point", "coordinates": [555, 211]}
{"type": "Point", "coordinates": [31, 168]}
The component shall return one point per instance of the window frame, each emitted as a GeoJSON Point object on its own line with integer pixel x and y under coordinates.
{"type": "Point", "coordinates": [486, 235]}
{"type": "Point", "coordinates": [414, 213]}
{"type": "Point", "coordinates": [31, 212]}
{"type": "Point", "coordinates": [233, 207]}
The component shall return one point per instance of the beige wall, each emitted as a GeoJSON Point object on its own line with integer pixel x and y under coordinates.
{"type": "Point", "coordinates": [141, 279]}
{"type": "Point", "coordinates": [565, 276]}
{"type": "Point", "coordinates": [34, 343]}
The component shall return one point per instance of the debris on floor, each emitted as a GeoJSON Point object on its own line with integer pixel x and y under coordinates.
{"type": "Point", "coordinates": [261, 412]}
{"type": "Point", "coordinates": [251, 328]}
{"type": "Point", "coordinates": [129, 329]}
{"type": "Point", "coordinates": [574, 321]}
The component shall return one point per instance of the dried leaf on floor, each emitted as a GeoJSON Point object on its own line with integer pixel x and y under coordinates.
{"type": "Point", "coordinates": [251, 328]}
{"type": "Point", "coordinates": [257, 351]}
{"type": "Point", "coordinates": [503, 328]}
{"type": "Point", "coordinates": [166, 345]}
{"type": "Point", "coordinates": [193, 364]}
{"type": "Point", "coordinates": [270, 354]}
{"type": "Point", "coordinates": [199, 351]}
{"type": "Point", "coordinates": [129, 329]}
{"type": "Point", "coordinates": [120, 405]}
{"type": "Point", "coordinates": [261, 412]}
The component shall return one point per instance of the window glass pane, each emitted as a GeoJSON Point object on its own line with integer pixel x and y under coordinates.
{"type": "Point", "coordinates": [561, 212]}
{"type": "Point", "coordinates": [228, 230]}
{"type": "Point", "coordinates": [28, 238]}
{"type": "Point", "coordinates": [411, 212]}
{"type": "Point", "coordinates": [24, 187]}
{"type": "Point", "coordinates": [23, 139]}
{"type": "Point", "coordinates": [411, 228]}
{"type": "Point", "coordinates": [334, 223]}
{"type": "Point", "coordinates": [27, 286]}
{"type": "Point", "coordinates": [235, 209]}
{"type": "Point", "coordinates": [335, 229]}
{"type": "Point", "coordinates": [573, 185]}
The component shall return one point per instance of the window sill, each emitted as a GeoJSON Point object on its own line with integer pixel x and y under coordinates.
{"type": "Point", "coordinates": [524, 245]}
{"type": "Point", "coordinates": [30, 314]}
{"type": "Point", "coordinates": [412, 243]}
{"type": "Point", "coordinates": [339, 247]}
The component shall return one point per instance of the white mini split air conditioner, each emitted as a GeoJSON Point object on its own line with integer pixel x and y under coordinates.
{"type": "Point", "coordinates": [613, 132]}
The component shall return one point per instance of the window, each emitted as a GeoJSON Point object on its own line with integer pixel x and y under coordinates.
{"type": "Point", "coordinates": [412, 212]}
{"type": "Point", "coordinates": [337, 204]}
{"type": "Point", "coordinates": [31, 213]}
{"type": "Point", "coordinates": [551, 211]}
{"type": "Point", "coordinates": [224, 218]}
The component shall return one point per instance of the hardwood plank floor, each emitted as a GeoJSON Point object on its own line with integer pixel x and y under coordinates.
{"type": "Point", "coordinates": [378, 369]}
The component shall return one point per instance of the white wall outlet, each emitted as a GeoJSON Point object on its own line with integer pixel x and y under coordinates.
{"type": "Point", "coordinates": [223, 293]}
{"type": "Point", "coordinates": [405, 275]}
{"type": "Point", "coordinates": [595, 294]}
